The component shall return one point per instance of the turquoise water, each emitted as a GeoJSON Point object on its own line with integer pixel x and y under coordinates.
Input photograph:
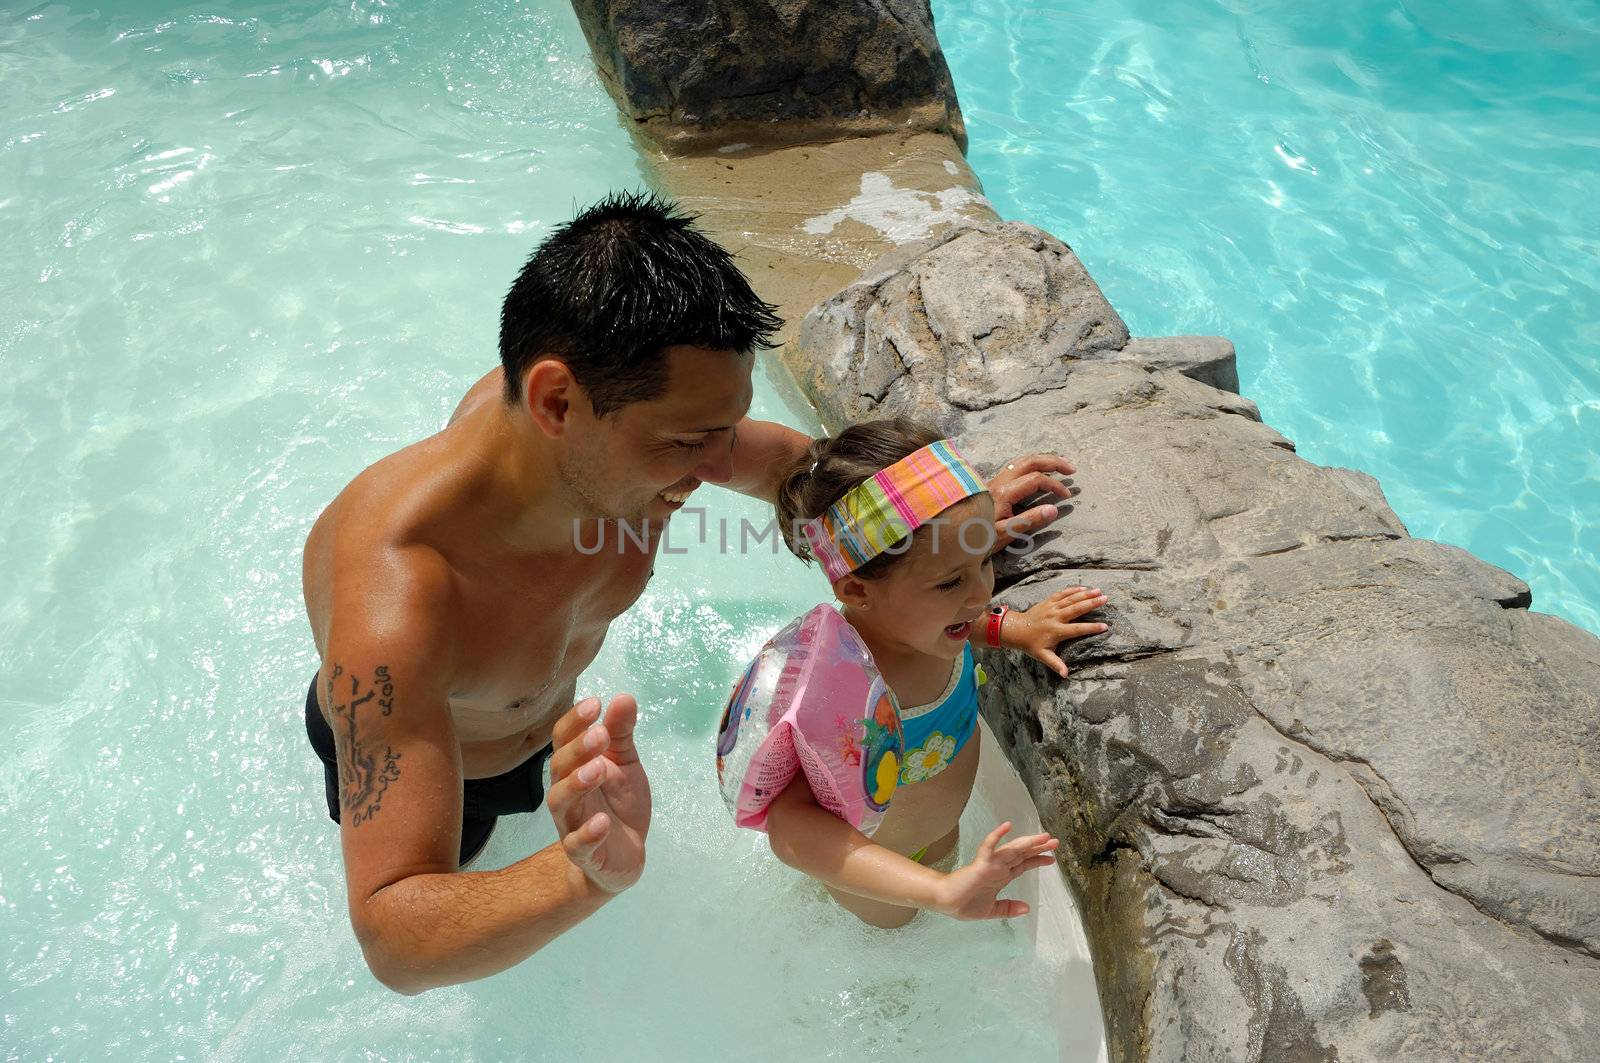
{"type": "Point", "coordinates": [250, 249]}
{"type": "Point", "coordinates": [1390, 208]}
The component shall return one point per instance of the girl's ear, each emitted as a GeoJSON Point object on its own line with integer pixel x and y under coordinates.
{"type": "Point", "coordinates": [852, 591]}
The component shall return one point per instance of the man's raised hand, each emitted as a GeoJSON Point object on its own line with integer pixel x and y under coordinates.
{"type": "Point", "coordinates": [599, 795]}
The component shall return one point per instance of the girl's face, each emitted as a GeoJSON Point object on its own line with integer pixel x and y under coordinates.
{"type": "Point", "coordinates": [929, 601]}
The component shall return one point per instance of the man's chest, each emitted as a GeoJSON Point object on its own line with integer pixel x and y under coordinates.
{"type": "Point", "coordinates": [527, 634]}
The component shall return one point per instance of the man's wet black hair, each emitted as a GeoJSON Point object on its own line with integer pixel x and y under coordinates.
{"type": "Point", "coordinates": [609, 291]}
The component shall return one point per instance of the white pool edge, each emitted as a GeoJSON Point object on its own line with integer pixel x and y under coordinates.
{"type": "Point", "coordinates": [1054, 923]}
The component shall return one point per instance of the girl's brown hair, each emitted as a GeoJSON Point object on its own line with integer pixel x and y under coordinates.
{"type": "Point", "coordinates": [831, 466]}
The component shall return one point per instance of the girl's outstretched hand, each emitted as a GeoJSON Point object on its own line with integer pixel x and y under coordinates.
{"type": "Point", "coordinates": [971, 892]}
{"type": "Point", "coordinates": [1044, 627]}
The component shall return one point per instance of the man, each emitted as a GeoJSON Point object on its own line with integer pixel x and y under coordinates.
{"type": "Point", "coordinates": [455, 594]}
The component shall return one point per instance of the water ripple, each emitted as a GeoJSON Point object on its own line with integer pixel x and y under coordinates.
{"type": "Point", "coordinates": [1389, 207]}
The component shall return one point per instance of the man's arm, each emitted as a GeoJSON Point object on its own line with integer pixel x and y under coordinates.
{"type": "Point", "coordinates": [762, 452]}
{"type": "Point", "coordinates": [420, 922]}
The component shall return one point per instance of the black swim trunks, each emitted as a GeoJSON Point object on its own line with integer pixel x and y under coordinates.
{"type": "Point", "coordinates": [482, 800]}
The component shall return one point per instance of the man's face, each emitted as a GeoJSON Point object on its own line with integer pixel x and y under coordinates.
{"type": "Point", "coordinates": [641, 462]}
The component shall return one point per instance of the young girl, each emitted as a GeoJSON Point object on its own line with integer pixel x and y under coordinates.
{"type": "Point", "coordinates": [918, 603]}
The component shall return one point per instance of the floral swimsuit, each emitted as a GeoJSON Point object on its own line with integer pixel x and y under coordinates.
{"type": "Point", "coordinates": [937, 731]}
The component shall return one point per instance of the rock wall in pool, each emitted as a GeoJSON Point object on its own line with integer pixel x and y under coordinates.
{"type": "Point", "coordinates": [1326, 791]}
{"type": "Point", "coordinates": [694, 74]}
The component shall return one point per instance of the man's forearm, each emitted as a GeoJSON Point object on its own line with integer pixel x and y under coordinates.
{"type": "Point", "coordinates": [763, 450]}
{"type": "Point", "coordinates": [433, 930]}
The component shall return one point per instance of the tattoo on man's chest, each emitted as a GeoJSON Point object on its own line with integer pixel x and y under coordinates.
{"type": "Point", "coordinates": [364, 773]}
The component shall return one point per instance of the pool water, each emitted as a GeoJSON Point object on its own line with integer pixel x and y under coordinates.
{"type": "Point", "coordinates": [1390, 207]}
{"type": "Point", "coordinates": [250, 249]}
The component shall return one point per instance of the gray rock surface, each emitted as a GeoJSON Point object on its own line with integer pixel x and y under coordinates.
{"type": "Point", "coordinates": [976, 317]}
{"type": "Point", "coordinates": [1208, 359]}
{"type": "Point", "coordinates": [695, 74]}
{"type": "Point", "coordinates": [1327, 792]}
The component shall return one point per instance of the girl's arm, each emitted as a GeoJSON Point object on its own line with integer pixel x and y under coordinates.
{"type": "Point", "coordinates": [809, 838]}
{"type": "Point", "coordinates": [1039, 630]}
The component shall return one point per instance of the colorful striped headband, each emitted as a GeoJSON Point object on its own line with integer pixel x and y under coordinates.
{"type": "Point", "coordinates": [890, 505]}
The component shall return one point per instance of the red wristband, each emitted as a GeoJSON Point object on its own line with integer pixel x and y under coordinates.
{"type": "Point", "coordinates": [997, 616]}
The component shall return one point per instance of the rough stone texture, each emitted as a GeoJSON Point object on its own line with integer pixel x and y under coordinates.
{"type": "Point", "coordinates": [973, 318]}
{"type": "Point", "coordinates": [697, 74]}
{"type": "Point", "coordinates": [1208, 359]}
{"type": "Point", "coordinates": [1327, 792]}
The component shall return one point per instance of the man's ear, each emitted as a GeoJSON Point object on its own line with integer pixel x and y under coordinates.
{"type": "Point", "coordinates": [550, 394]}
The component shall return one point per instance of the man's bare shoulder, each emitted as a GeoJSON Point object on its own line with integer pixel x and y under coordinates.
{"type": "Point", "coordinates": [395, 500]}
{"type": "Point", "coordinates": [489, 388]}
{"type": "Point", "coordinates": [388, 533]}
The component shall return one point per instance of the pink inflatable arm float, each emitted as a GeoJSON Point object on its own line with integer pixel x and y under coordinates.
{"type": "Point", "coordinates": [811, 701]}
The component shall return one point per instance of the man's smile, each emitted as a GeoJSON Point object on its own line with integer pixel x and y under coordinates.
{"type": "Point", "coordinates": [677, 495]}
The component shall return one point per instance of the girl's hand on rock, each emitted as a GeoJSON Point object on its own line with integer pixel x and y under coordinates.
{"type": "Point", "coordinates": [1044, 627]}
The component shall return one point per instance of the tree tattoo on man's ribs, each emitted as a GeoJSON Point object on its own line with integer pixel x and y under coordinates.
{"type": "Point", "coordinates": [364, 774]}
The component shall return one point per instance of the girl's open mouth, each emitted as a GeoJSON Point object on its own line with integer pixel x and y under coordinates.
{"type": "Point", "coordinates": [959, 631]}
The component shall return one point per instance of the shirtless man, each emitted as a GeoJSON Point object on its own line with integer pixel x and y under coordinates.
{"type": "Point", "coordinates": [455, 594]}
